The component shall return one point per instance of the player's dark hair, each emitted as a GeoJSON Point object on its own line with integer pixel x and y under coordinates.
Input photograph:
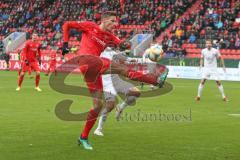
{"type": "Point", "coordinates": [108, 14]}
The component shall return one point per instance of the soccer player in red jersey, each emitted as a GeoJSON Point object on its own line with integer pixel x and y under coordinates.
{"type": "Point", "coordinates": [95, 38]}
{"type": "Point", "coordinates": [31, 57]}
{"type": "Point", "coordinates": [52, 64]}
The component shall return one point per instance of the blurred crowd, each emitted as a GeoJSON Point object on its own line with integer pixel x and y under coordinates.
{"type": "Point", "coordinates": [218, 20]}
{"type": "Point", "coordinates": [214, 20]}
{"type": "Point", "coordinates": [46, 17]}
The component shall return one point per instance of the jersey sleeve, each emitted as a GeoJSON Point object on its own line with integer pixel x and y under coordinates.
{"type": "Point", "coordinates": [80, 26]}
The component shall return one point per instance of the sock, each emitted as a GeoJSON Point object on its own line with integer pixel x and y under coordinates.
{"type": "Point", "coordinates": [142, 77]}
{"type": "Point", "coordinates": [130, 100]}
{"type": "Point", "coordinates": [123, 105]}
{"type": "Point", "coordinates": [102, 119]}
{"type": "Point", "coordinates": [221, 91]}
{"type": "Point", "coordinates": [91, 119]}
{"type": "Point", "coordinates": [19, 72]}
{"type": "Point", "coordinates": [20, 80]}
{"type": "Point", "coordinates": [37, 79]}
{"type": "Point", "coordinates": [200, 88]}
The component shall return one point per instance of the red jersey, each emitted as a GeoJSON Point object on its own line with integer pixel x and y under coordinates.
{"type": "Point", "coordinates": [94, 40]}
{"type": "Point", "coordinates": [53, 59]}
{"type": "Point", "coordinates": [31, 51]}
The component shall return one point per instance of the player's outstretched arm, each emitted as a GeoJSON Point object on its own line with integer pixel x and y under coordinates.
{"type": "Point", "coordinates": [80, 26]}
{"type": "Point", "coordinates": [67, 26]}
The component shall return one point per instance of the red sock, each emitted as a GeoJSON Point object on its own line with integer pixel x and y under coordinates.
{"type": "Point", "coordinates": [142, 77]}
{"type": "Point", "coordinates": [20, 80]}
{"type": "Point", "coordinates": [37, 79]}
{"type": "Point", "coordinates": [91, 119]}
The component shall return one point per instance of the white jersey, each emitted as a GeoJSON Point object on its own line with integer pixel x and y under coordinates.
{"type": "Point", "coordinates": [108, 53]}
{"type": "Point", "coordinates": [210, 57]}
{"type": "Point", "coordinates": [112, 83]}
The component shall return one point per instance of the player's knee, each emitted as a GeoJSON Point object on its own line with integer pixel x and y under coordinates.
{"type": "Point", "coordinates": [22, 73]}
{"type": "Point", "coordinates": [203, 81]}
{"type": "Point", "coordinates": [37, 73]}
{"type": "Point", "coordinates": [218, 83]}
{"type": "Point", "coordinates": [134, 92]}
{"type": "Point", "coordinates": [98, 104]}
{"type": "Point", "coordinates": [110, 105]}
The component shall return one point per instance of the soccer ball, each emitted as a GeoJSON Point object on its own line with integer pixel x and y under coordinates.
{"type": "Point", "coordinates": [155, 53]}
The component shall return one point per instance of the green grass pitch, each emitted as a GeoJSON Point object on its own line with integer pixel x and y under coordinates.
{"type": "Point", "coordinates": [29, 128]}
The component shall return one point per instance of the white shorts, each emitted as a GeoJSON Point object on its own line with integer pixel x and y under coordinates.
{"type": "Point", "coordinates": [210, 73]}
{"type": "Point", "coordinates": [113, 85]}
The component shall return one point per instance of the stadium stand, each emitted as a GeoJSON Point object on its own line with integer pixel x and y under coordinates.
{"type": "Point", "coordinates": [215, 20]}
{"type": "Point", "coordinates": [181, 25]}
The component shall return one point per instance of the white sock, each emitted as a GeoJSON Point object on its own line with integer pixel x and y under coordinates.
{"type": "Point", "coordinates": [128, 101]}
{"type": "Point", "coordinates": [200, 88]}
{"type": "Point", "coordinates": [221, 91]}
{"type": "Point", "coordinates": [102, 119]}
{"type": "Point", "coordinates": [123, 105]}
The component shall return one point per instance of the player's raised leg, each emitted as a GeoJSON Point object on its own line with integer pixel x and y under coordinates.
{"type": "Point", "coordinates": [157, 78]}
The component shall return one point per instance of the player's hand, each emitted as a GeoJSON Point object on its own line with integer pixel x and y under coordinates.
{"type": "Point", "coordinates": [65, 48]}
{"type": "Point", "coordinates": [26, 62]}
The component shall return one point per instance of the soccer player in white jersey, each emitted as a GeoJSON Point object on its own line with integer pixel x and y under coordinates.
{"type": "Point", "coordinates": [112, 86]}
{"type": "Point", "coordinates": [209, 56]}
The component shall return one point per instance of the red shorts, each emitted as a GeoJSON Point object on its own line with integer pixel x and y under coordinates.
{"type": "Point", "coordinates": [92, 67]}
{"type": "Point", "coordinates": [52, 67]}
{"type": "Point", "coordinates": [32, 65]}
